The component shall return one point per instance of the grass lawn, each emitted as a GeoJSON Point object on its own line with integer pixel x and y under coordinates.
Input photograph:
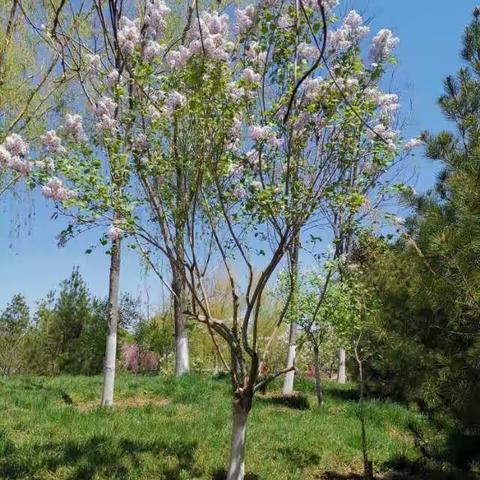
{"type": "Point", "coordinates": [163, 428]}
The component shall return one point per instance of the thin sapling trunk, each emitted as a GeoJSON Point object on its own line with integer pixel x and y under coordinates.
{"type": "Point", "coordinates": [318, 380]}
{"type": "Point", "coordinates": [289, 379]}
{"type": "Point", "coordinates": [182, 364]}
{"type": "Point", "coordinates": [342, 378]}
{"type": "Point", "coordinates": [113, 314]}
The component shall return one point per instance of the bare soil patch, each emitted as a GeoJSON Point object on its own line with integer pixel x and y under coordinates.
{"type": "Point", "coordinates": [137, 401]}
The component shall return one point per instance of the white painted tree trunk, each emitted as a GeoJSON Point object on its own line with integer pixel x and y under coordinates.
{"type": "Point", "coordinates": [289, 379]}
{"type": "Point", "coordinates": [109, 370]}
{"type": "Point", "coordinates": [182, 364]}
{"type": "Point", "coordinates": [341, 366]}
{"type": "Point", "coordinates": [111, 346]}
{"type": "Point", "coordinates": [236, 470]}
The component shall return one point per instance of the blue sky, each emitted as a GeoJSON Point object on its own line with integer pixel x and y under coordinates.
{"type": "Point", "coordinates": [430, 33]}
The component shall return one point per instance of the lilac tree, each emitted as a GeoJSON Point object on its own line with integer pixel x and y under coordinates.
{"type": "Point", "coordinates": [85, 169]}
{"type": "Point", "coordinates": [250, 133]}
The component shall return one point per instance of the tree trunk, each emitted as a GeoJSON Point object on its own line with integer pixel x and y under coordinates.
{"type": "Point", "coordinates": [367, 463]}
{"type": "Point", "coordinates": [341, 366]}
{"type": "Point", "coordinates": [111, 347]}
{"type": "Point", "coordinates": [215, 363]}
{"type": "Point", "coordinates": [182, 364]}
{"type": "Point", "coordinates": [236, 470]}
{"type": "Point", "coordinates": [289, 379]}
{"type": "Point", "coordinates": [318, 380]}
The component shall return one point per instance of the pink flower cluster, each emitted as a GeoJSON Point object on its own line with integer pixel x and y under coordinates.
{"type": "Point", "coordinates": [173, 102]}
{"type": "Point", "coordinates": [74, 127]}
{"type": "Point", "coordinates": [235, 93]}
{"type": "Point", "coordinates": [105, 111]}
{"type": "Point", "coordinates": [128, 35]}
{"type": "Point", "coordinates": [349, 34]}
{"type": "Point", "coordinates": [16, 145]}
{"type": "Point", "coordinates": [52, 142]}
{"type": "Point", "coordinates": [239, 192]}
{"type": "Point", "coordinates": [112, 78]}
{"type": "Point", "coordinates": [132, 36]}
{"type": "Point", "coordinates": [256, 54]}
{"type": "Point", "coordinates": [55, 190]}
{"type": "Point", "coordinates": [245, 17]}
{"type": "Point", "coordinates": [250, 76]}
{"type": "Point", "coordinates": [328, 5]}
{"type": "Point", "coordinates": [210, 35]}
{"type": "Point", "coordinates": [114, 233]}
{"type": "Point", "coordinates": [385, 133]}
{"type": "Point", "coordinates": [383, 44]}
{"type": "Point", "coordinates": [140, 143]}
{"type": "Point", "coordinates": [346, 84]}
{"type": "Point", "coordinates": [155, 13]}
{"type": "Point", "coordinates": [412, 144]}
{"type": "Point", "coordinates": [136, 359]}
{"type": "Point", "coordinates": [264, 134]}
{"type": "Point", "coordinates": [152, 50]}
{"type": "Point", "coordinates": [387, 102]}
{"type": "Point", "coordinates": [314, 87]}
{"type": "Point", "coordinates": [12, 154]}
{"type": "Point", "coordinates": [307, 51]}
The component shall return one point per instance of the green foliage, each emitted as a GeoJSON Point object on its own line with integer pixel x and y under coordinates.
{"type": "Point", "coordinates": [67, 334]}
{"type": "Point", "coordinates": [428, 283]}
{"type": "Point", "coordinates": [329, 309]}
{"type": "Point", "coordinates": [15, 318]}
{"type": "Point", "coordinates": [155, 334]}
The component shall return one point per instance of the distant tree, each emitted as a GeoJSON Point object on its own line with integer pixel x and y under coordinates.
{"type": "Point", "coordinates": [15, 318]}
{"type": "Point", "coordinates": [14, 322]}
{"type": "Point", "coordinates": [156, 334]}
{"type": "Point", "coordinates": [328, 315]}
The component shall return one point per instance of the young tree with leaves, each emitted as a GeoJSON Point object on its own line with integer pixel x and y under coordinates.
{"type": "Point", "coordinates": [86, 177]}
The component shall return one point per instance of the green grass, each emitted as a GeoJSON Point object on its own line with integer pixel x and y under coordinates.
{"type": "Point", "coordinates": [51, 429]}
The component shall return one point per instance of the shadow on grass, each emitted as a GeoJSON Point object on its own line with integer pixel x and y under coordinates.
{"type": "Point", "coordinates": [297, 401]}
{"type": "Point", "coordinates": [401, 468]}
{"type": "Point", "coordinates": [343, 394]}
{"type": "Point", "coordinates": [31, 386]}
{"type": "Point", "coordinates": [222, 475]}
{"type": "Point", "coordinates": [97, 455]}
{"type": "Point", "coordinates": [339, 476]}
{"type": "Point", "coordinates": [300, 458]}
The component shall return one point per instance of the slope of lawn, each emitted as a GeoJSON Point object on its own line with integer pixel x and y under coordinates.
{"type": "Point", "coordinates": [162, 428]}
